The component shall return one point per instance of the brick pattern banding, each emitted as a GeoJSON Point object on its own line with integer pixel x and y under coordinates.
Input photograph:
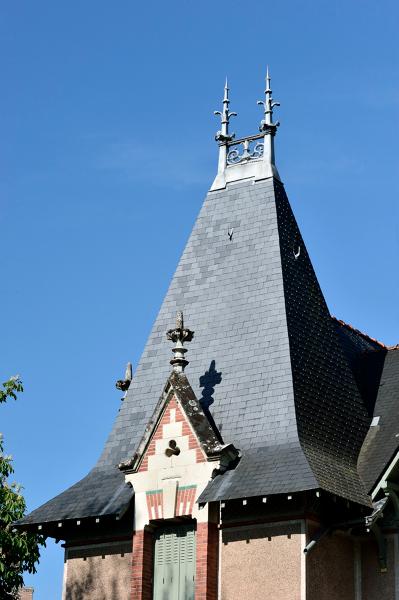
{"type": "Point", "coordinates": [158, 434]}
{"type": "Point", "coordinates": [206, 578]}
{"type": "Point", "coordinates": [142, 565]}
{"type": "Point", "coordinates": [185, 500]}
{"type": "Point", "coordinates": [154, 504]}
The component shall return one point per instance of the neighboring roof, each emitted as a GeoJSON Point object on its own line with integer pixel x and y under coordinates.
{"type": "Point", "coordinates": [365, 356]}
{"type": "Point", "coordinates": [382, 440]}
{"type": "Point", "coordinates": [376, 369]}
{"type": "Point", "coordinates": [361, 339]}
{"type": "Point", "coordinates": [266, 359]}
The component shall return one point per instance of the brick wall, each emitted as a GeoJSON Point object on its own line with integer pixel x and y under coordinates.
{"type": "Point", "coordinates": [207, 549]}
{"type": "Point", "coordinates": [142, 564]}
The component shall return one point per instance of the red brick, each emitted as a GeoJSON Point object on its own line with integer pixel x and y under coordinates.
{"type": "Point", "coordinates": [207, 562]}
{"type": "Point", "coordinates": [142, 565]}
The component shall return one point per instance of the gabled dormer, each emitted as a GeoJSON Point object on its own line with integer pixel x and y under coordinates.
{"type": "Point", "coordinates": [180, 450]}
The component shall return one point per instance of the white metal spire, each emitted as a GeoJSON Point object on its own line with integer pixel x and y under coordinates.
{"type": "Point", "coordinates": [268, 104]}
{"type": "Point", "coordinates": [223, 135]}
{"type": "Point", "coordinates": [250, 156]}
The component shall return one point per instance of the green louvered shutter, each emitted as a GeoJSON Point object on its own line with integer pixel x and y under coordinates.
{"type": "Point", "coordinates": [174, 563]}
{"type": "Point", "coordinates": [187, 565]}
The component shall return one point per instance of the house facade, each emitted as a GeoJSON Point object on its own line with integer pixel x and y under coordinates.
{"type": "Point", "coordinates": [255, 451]}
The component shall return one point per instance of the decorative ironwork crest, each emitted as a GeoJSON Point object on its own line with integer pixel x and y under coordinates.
{"type": "Point", "coordinates": [248, 152]}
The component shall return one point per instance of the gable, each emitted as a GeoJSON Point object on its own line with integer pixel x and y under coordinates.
{"type": "Point", "coordinates": [171, 467]}
{"type": "Point", "coordinates": [172, 426]}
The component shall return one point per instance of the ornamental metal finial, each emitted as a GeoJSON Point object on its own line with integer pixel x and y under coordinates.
{"type": "Point", "coordinates": [267, 125]}
{"type": "Point", "coordinates": [179, 335]}
{"type": "Point", "coordinates": [223, 135]}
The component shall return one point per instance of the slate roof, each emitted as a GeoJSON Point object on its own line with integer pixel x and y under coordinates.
{"type": "Point", "coordinates": [277, 469]}
{"type": "Point", "coordinates": [266, 360]}
{"type": "Point", "coordinates": [103, 492]}
{"type": "Point", "coordinates": [382, 441]}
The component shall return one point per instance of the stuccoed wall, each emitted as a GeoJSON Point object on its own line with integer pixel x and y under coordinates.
{"type": "Point", "coordinates": [26, 593]}
{"type": "Point", "coordinates": [100, 572]}
{"type": "Point", "coordinates": [330, 568]}
{"type": "Point", "coordinates": [377, 585]}
{"type": "Point", "coordinates": [261, 561]}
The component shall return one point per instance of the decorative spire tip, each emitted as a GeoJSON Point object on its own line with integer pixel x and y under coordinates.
{"type": "Point", "coordinates": [267, 126]}
{"type": "Point", "coordinates": [179, 335]}
{"type": "Point", "coordinates": [223, 136]}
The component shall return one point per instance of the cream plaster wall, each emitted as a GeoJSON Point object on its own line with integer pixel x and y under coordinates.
{"type": "Point", "coordinates": [261, 562]}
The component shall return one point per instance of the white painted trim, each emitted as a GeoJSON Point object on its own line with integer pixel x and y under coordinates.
{"type": "Point", "coordinates": [220, 566]}
{"type": "Point", "coordinates": [385, 476]}
{"type": "Point", "coordinates": [357, 569]}
{"type": "Point", "coordinates": [303, 560]}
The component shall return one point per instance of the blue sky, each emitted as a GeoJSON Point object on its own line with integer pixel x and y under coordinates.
{"type": "Point", "coordinates": [106, 154]}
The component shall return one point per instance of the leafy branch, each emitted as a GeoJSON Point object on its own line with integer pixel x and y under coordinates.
{"type": "Point", "coordinates": [19, 550]}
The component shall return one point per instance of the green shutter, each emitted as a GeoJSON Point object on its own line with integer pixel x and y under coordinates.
{"type": "Point", "coordinates": [187, 565]}
{"type": "Point", "coordinates": [174, 563]}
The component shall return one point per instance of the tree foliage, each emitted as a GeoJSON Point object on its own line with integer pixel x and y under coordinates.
{"type": "Point", "coordinates": [19, 550]}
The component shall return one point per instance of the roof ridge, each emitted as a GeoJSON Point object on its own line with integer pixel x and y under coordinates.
{"type": "Point", "coordinates": [364, 335]}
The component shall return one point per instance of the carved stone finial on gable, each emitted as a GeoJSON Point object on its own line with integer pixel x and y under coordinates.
{"type": "Point", "coordinates": [179, 320]}
{"type": "Point", "coordinates": [179, 335]}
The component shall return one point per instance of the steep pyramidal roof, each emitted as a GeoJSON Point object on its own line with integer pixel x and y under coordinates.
{"type": "Point", "coordinates": [266, 362]}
